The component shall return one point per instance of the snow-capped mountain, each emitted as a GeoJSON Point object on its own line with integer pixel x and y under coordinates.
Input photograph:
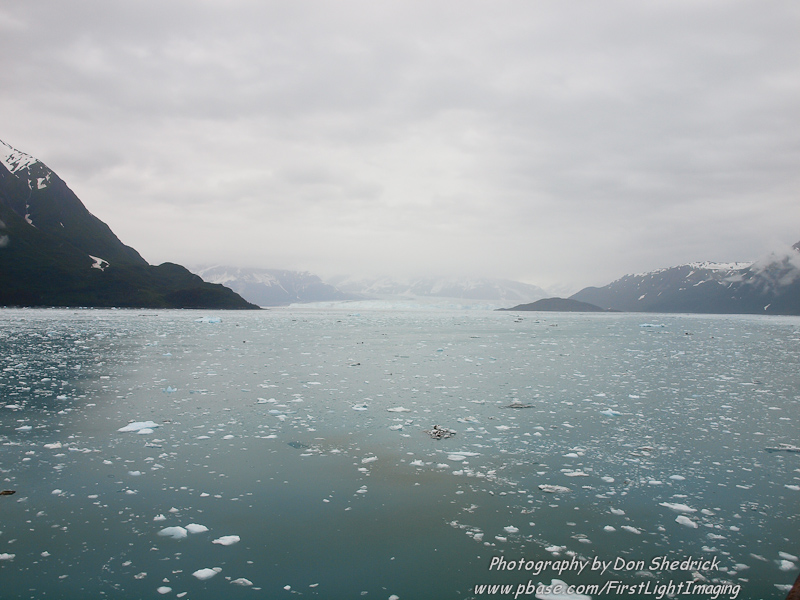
{"type": "Point", "coordinates": [770, 285]}
{"type": "Point", "coordinates": [500, 291]}
{"type": "Point", "coordinates": [54, 252]}
{"type": "Point", "coordinates": [273, 287]}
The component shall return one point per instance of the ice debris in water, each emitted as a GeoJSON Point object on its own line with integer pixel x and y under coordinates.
{"type": "Point", "coordinates": [437, 432]}
{"type": "Point", "coordinates": [176, 533]}
{"type": "Point", "coordinates": [242, 581]}
{"type": "Point", "coordinates": [196, 528]}
{"type": "Point", "coordinates": [680, 508]}
{"type": "Point", "coordinates": [227, 540]}
{"type": "Point", "coordinates": [553, 489]}
{"type": "Point", "coordinates": [686, 521]}
{"type": "Point", "coordinates": [208, 320]}
{"type": "Point", "coordinates": [139, 427]}
{"type": "Point", "coordinates": [203, 574]}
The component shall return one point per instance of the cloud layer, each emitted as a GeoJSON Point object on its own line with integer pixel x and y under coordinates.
{"type": "Point", "coordinates": [557, 143]}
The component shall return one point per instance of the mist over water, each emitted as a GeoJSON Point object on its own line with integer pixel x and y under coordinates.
{"type": "Point", "coordinates": [303, 432]}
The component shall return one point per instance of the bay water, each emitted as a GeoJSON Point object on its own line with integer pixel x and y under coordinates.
{"type": "Point", "coordinates": [345, 451]}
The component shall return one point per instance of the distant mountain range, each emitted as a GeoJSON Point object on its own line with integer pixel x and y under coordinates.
{"type": "Point", "coordinates": [54, 252]}
{"type": "Point", "coordinates": [276, 287]}
{"type": "Point", "coordinates": [273, 287]}
{"type": "Point", "coordinates": [500, 291]}
{"type": "Point", "coordinates": [770, 286]}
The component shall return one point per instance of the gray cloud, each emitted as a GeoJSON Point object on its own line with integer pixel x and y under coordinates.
{"type": "Point", "coordinates": [548, 142]}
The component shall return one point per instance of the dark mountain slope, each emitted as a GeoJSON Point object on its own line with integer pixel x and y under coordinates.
{"type": "Point", "coordinates": [54, 252]}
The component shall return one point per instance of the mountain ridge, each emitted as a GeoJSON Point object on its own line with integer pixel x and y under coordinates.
{"type": "Point", "coordinates": [770, 285]}
{"type": "Point", "coordinates": [54, 252]}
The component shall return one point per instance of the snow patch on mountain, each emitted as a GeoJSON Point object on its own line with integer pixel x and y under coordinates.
{"type": "Point", "coordinates": [13, 159]}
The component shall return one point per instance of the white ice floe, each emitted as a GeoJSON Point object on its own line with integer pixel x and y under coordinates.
{"type": "Point", "coordinates": [786, 565]}
{"type": "Point", "coordinates": [203, 574]}
{"type": "Point", "coordinates": [685, 521]}
{"type": "Point", "coordinates": [557, 590]}
{"type": "Point", "coordinates": [164, 590]}
{"type": "Point", "coordinates": [139, 426]}
{"type": "Point", "coordinates": [196, 528]}
{"type": "Point", "coordinates": [242, 581]}
{"type": "Point", "coordinates": [227, 540]}
{"type": "Point", "coordinates": [677, 478]}
{"type": "Point", "coordinates": [398, 409]}
{"type": "Point", "coordinates": [511, 529]}
{"type": "Point", "coordinates": [208, 320]}
{"type": "Point", "coordinates": [368, 459]}
{"type": "Point", "coordinates": [6, 556]}
{"type": "Point", "coordinates": [176, 533]}
{"type": "Point", "coordinates": [53, 446]}
{"type": "Point", "coordinates": [362, 406]}
{"type": "Point", "coordinates": [630, 529]}
{"type": "Point", "coordinates": [679, 508]}
{"type": "Point", "coordinates": [553, 489]}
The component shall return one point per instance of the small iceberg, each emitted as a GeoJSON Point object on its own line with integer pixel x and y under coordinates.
{"type": "Point", "coordinates": [553, 489]}
{"type": "Point", "coordinates": [208, 320]}
{"type": "Point", "coordinates": [203, 574]}
{"type": "Point", "coordinates": [227, 540]}
{"type": "Point", "coordinates": [139, 427]}
{"type": "Point", "coordinates": [176, 533]}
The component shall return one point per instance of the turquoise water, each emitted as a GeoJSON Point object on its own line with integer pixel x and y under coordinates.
{"type": "Point", "coordinates": [276, 427]}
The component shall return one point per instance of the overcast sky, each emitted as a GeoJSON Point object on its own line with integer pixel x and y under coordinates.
{"type": "Point", "coordinates": [559, 143]}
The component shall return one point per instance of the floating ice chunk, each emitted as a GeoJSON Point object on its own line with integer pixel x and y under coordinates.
{"type": "Point", "coordinates": [159, 517]}
{"type": "Point", "coordinates": [6, 556]}
{"type": "Point", "coordinates": [227, 540]}
{"type": "Point", "coordinates": [677, 477]}
{"type": "Point", "coordinates": [784, 565]}
{"type": "Point", "coordinates": [511, 529]}
{"type": "Point", "coordinates": [242, 581]}
{"type": "Point", "coordinates": [652, 325]}
{"type": "Point", "coordinates": [680, 508]}
{"type": "Point", "coordinates": [394, 597]}
{"type": "Point", "coordinates": [134, 473]}
{"type": "Point", "coordinates": [208, 320]}
{"type": "Point", "coordinates": [456, 457]}
{"type": "Point", "coordinates": [57, 492]}
{"type": "Point", "coordinates": [630, 529]}
{"type": "Point", "coordinates": [196, 528]}
{"type": "Point", "coordinates": [794, 488]}
{"type": "Point", "coordinates": [362, 406]}
{"type": "Point", "coordinates": [571, 455]}
{"type": "Point", "coordinates": [685, 521]}
{"type": "Point", "coordinates": [607, 479]}
{"type": "Point", "coordinates": [369, 459]}
{"type": "Point", "coordinates": [138, 426]}
{"type": "Point", "coordinates": [53, 446]}
{"type": "Point", "coordinates": [24, 428]}
{"type": "Point", "coordinates": [164, 589]}
{"type": "Point", "coordinates": [553, 489]}
{"type": "Point", "coordinates": [787, 556]}
{"type": "Point", "coordinates": [609, 528]}
{"type": "Point", "coordinates": [398, 409]}
{"type": "Point", "coordinates": [176, 533]}
{"type": "Point", "coordinates": [575, 474]}
{"type": "Point", "coordinates": [610, 413]}
{"type": "Point", "coordinates": [203, 574]}
{"type": "Point", "coordinates": [558, 591]}
{"type": "Point", "coordinates": [617, 511]}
